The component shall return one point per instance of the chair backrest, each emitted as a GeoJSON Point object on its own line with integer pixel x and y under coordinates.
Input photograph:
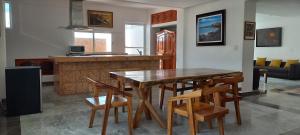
{"type": "Point", "coordinates": [97, 87]}
{"type": "Point", "coordinates": [207, 91]}
{"type": "Point", "coordinates": [201, 84]}
{"type": "Point", "coordinates": [230, 79]}
{"type": "Point", "coordinates": [216, 91]}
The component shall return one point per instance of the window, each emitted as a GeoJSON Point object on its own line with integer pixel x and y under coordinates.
{"type": "Point", "coordinates": [7, 12]}
{"type": "Point", "coordinates": [134, 39]}
{"type": "Point", "coordinates": [93, 42]}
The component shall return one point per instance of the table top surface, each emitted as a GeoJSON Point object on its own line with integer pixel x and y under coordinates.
{"type": "Point", "coordinates": [171, 75]}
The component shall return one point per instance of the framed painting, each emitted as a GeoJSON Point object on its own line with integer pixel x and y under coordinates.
{"type": "Point", "coordinates": [249, 31]}
{"type": "Point", "coordinates": [269, 37]}
{"type": "Point", "coordinates": [211, 28]}
{"type": "Point", "coordinates": [100, 19]}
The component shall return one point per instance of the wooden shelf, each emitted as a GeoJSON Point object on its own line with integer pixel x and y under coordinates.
{"type": "Point", "coordinates": [164, 17]}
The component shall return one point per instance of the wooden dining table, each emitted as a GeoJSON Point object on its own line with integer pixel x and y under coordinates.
{"type": "Point", "coordinates": [143, 80]}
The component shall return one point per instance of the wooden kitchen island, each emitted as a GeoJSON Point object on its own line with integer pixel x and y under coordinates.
{"type": "Point", "coordinates": [70, 71]}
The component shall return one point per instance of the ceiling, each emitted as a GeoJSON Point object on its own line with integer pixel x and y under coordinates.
{"type": "Point", "coordinates": [286, 8]}
{"type": "Point", "coordinates": [155, 3]}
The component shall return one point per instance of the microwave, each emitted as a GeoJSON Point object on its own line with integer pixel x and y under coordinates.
{"type": "Point", "coordinates": [76, 50]}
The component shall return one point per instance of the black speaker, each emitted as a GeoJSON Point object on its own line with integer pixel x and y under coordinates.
{"type": "Point", "coordinates": [23, 90]}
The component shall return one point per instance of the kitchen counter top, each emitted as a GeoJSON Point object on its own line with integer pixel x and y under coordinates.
{"type": "Point", "coordinates": [94, 58]}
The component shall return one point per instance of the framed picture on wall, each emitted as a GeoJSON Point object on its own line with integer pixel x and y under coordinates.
{"type": "Point", "coordinates": [100, 19]}
{"type": "Point", "coordinates": [269, 37]}
{"type": "Point", "coordinates": [249, 30]}
{"type": "Point", "coordinates": [210, 28]}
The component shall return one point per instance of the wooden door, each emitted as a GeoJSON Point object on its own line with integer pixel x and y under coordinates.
{"type": "Point", "coordinates": [166, 45]}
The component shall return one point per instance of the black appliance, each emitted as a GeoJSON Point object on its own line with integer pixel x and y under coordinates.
{"type": "Point", "coordinates": [23, 90]}
{"type": "Point", "coordinates": [76, 51]}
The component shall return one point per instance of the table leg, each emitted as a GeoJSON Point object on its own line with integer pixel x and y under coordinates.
{"type": "Point", "coordinates": [266, 77]}
{"type": "Point", "coordinates": [140, 109]}
{"type": "Point", "coordinates": [146, 98]}
{"type": "Point", "coordinates": [146, 106]}
{"type": "Point", "coordinates": [155, 114]}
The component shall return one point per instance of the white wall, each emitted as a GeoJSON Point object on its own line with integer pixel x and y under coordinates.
{"type": "Point", "coordinates": [2, 53]}
{"type": "Point", "coordinates": [35, 31]}
{"type": "Point", "coordinates": [36, 25]}
{"type": "Point", "coordinates": [122, 16]}
{"type": "Point", "coordinates": [290, 36]}
{"type": "Point", "coordinates": [229, 56]}
{"type": "Point", "coordinates": [226, 57]}
{"type": "Point", "coordinates": [180, 39]}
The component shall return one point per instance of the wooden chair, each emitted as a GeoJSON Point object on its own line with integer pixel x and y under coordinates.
{"type": "Point", "coordinates": [114, 98]}
{"type": "Point", "coordinates": [173, 88]}
{"type": "Point", "coordinates": [233, 94]}
{"type": "Point", "coordinates": [198, 111]}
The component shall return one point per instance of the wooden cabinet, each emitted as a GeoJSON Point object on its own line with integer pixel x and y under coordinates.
{"type": "Point", "coordinates": [164, 17]}
{"type": "Point", "coordinates": [166, 46]}
{"type": "Point", "coordinates": [46, 64]}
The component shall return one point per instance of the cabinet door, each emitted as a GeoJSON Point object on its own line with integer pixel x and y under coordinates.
{"type": "Point", "coordinates": [160, 44]}
{"type": "Point", "coordinates": [166, 45]}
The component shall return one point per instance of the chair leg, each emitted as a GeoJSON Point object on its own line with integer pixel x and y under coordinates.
{"type": "Point", "coordinates": [237, 112]}
{"type": "Point", "coordinates": [123, 109]}
{"type": "Point", "coordinates": [106, 113]}
{"type": "Point", "coordinates": [181, 93]}
{"type": "Point", "coordinates": [174, 95]}
{"type": "Point", "coordinates": [209, 124]}
{"type": "Point", "coordinates": [116, 115]}
{"type": "Point", "coordinates": [223, 104]}
{"type": "Point", "coordinates": [130, 124]}
{"type": "Point", "coordinates": [221, 125]}
{"type": "Point", "coordinates": [150, 96]}
{"type": "Point", "coordinates": [105, 120]}
{"type": "Point", "coordinates": [191, 118]}
{"type": "Point", "coordinates": [197, 126]}
{"type": "Point", "coordinates": [161, 98]}
{"type": "Point", "coordinates": [93, 112]}
{"type": "Point", "coordinates": [170, 117]}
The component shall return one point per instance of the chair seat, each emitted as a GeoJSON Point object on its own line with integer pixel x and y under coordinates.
{"type": "Point", "coordinates": [202, 111]}
{"type": "Point", "coordinates": [99, 102]}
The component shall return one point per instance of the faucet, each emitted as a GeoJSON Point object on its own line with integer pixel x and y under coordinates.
{"type": "Point", "coordinates": [140, 52]}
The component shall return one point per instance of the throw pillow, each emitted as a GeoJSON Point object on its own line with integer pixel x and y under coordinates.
{"type": "Point", "coordinates": [289, 62]}
{"type": "Point", "coordinates": [261, 61]}
{"type": "Point", "coordinates": [275, 63]}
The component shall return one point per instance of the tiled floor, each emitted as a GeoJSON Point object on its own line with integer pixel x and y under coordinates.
{"type": "Point", "coordinates": [69, 116]}
{"type": "Point", "coordinates": [9, 126]}
{"type": "Point", "coordinates": [278, 99]}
